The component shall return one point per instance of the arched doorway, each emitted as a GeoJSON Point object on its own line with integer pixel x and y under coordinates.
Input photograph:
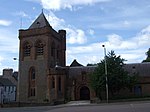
{"type": "Point", "coordinates": [84, 93]}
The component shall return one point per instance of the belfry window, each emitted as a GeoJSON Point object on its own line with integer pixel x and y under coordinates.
{"type": "Point", "coordinates": [39, 48]}
{"type": "Point", "coordinates": [27, 49]}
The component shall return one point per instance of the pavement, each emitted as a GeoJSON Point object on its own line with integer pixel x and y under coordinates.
{"type": "Point", "coordinates": [71, 103]}
{"type": "Point", "coordinates": [85, 106]}
{"type": "Point", "coordinates": [45, 108]}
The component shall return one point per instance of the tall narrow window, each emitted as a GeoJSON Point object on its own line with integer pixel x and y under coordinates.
{"type": "Point", "coordinates": [32, 74]}
{"type": "Point", "coordinates": [53, 82]}
{"type": "Point", "coordinates": [53, 49]}
{"type": "Point", "coordinates": [57, 52]}
{"type": "Point", "coordinates": [39, 48]}
{"type": "Point", "coordinates": [32, 78]}
{"type": "Point", "coordinates": [26, 49]}
{"type": "Point", "coordinates": [59, 83]}
{"type": "Point", "coordinates": [32, 91]}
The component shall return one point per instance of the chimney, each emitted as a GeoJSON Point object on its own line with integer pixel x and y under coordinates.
{"type": "Point", "coordinates": [7, 73]}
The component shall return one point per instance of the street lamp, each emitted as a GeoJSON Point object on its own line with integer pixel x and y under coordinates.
{"type": "Point", "coordinates": [106, 73]}
{"type": "Point", "coordinates": [18, 84]}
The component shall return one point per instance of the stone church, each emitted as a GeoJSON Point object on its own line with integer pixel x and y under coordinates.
{"type": "Point", "coordinates": [43, 74]}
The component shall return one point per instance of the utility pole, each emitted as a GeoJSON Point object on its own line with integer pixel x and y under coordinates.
{"type": "Point", "coordinates": [106, 77]}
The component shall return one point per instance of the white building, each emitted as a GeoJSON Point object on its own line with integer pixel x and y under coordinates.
{"type": "Point", "coordinates": [7, 91]}
{"type": "Point", "coordinates": [8, 86]}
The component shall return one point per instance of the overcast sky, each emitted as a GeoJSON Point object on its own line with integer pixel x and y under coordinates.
{"type": "Point", "coordinates": [122, 25]}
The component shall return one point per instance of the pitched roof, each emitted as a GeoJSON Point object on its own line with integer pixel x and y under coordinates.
{"type": "Point", "coordinates": [75, 63]}
{"type": "Point", "coordinates": [77, 70]}
{"type": "Point", "coordinates": [6, 82]}
{"type": "Point", "coordinates": [142, 69]}
{"type": "Point", "coordinates": [40, 22]}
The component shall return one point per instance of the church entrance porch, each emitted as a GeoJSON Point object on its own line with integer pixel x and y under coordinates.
{"type": "Point", "coordinates": [84, 93]}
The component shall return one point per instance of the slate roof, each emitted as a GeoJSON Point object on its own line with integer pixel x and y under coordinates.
{"type": "Point", "coordinates": [142, 69]}
{"type": "Point", "coordinates": [5, 82]}
{"type": "Point", "coordinates": [74, 71]}
{"type": "Point", "coordinates": [40, 22]}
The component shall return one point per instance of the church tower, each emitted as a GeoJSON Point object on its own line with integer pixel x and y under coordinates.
{"type": "Point", "coordinates": [41, 48]}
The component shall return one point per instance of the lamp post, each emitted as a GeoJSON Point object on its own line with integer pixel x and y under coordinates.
{"type": "Point", "coordinates": [18, 84]}
{"type": "Point", "coordinates": [106, 73]}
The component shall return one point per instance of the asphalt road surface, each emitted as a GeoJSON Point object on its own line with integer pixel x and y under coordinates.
{"type": "Point", "coordinates": [114, 107]}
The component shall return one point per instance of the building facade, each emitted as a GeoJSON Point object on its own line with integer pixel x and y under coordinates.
{"type": "Point", "coordinates": [43, 74]}
{"type": "Point", "coordinates": [41, 48]}
{"type": "Point", "coordinates": [8, 86]}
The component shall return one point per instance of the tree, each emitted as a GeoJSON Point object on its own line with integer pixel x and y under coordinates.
{"type": "Point", "coordinates": [118, 78]}
{"type": "Point", "coordinates": [148, 56]}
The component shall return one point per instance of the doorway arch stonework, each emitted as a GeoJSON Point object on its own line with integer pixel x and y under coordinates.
{"type": "Point", "coordinates": [84, 93]}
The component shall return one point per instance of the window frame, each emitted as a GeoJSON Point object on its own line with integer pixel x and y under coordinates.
{"type": "Point", "coordinates": [53, 82]}
{"type": "Point", "coordinates": [32, 80]}
{"type": "Point", "coordinates": [26, 49]}
{"type": "Point", "coordinates": [59, 84]}
{"type": "Point", "coordinates": [39, 47]}
{"type": "Point", "coordinates": [53, 49]}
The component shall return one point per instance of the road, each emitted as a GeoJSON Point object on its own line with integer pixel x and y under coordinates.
{"type": "Point", "coordinates": [114, 107]}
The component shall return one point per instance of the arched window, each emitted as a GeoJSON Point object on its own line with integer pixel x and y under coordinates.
{"type": "Point", "coordinates": [53, 82]}
{"type": "Point", "coordinates": [53, 49]}
{"type": "Point", "coordinates": [26, 49]}
{"type": "Point", "coordinates": [39, 48]}
{"type": "Point", "coordinates": [59, 83]}
{"type": "Point", "coordinates": [32, 77]}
